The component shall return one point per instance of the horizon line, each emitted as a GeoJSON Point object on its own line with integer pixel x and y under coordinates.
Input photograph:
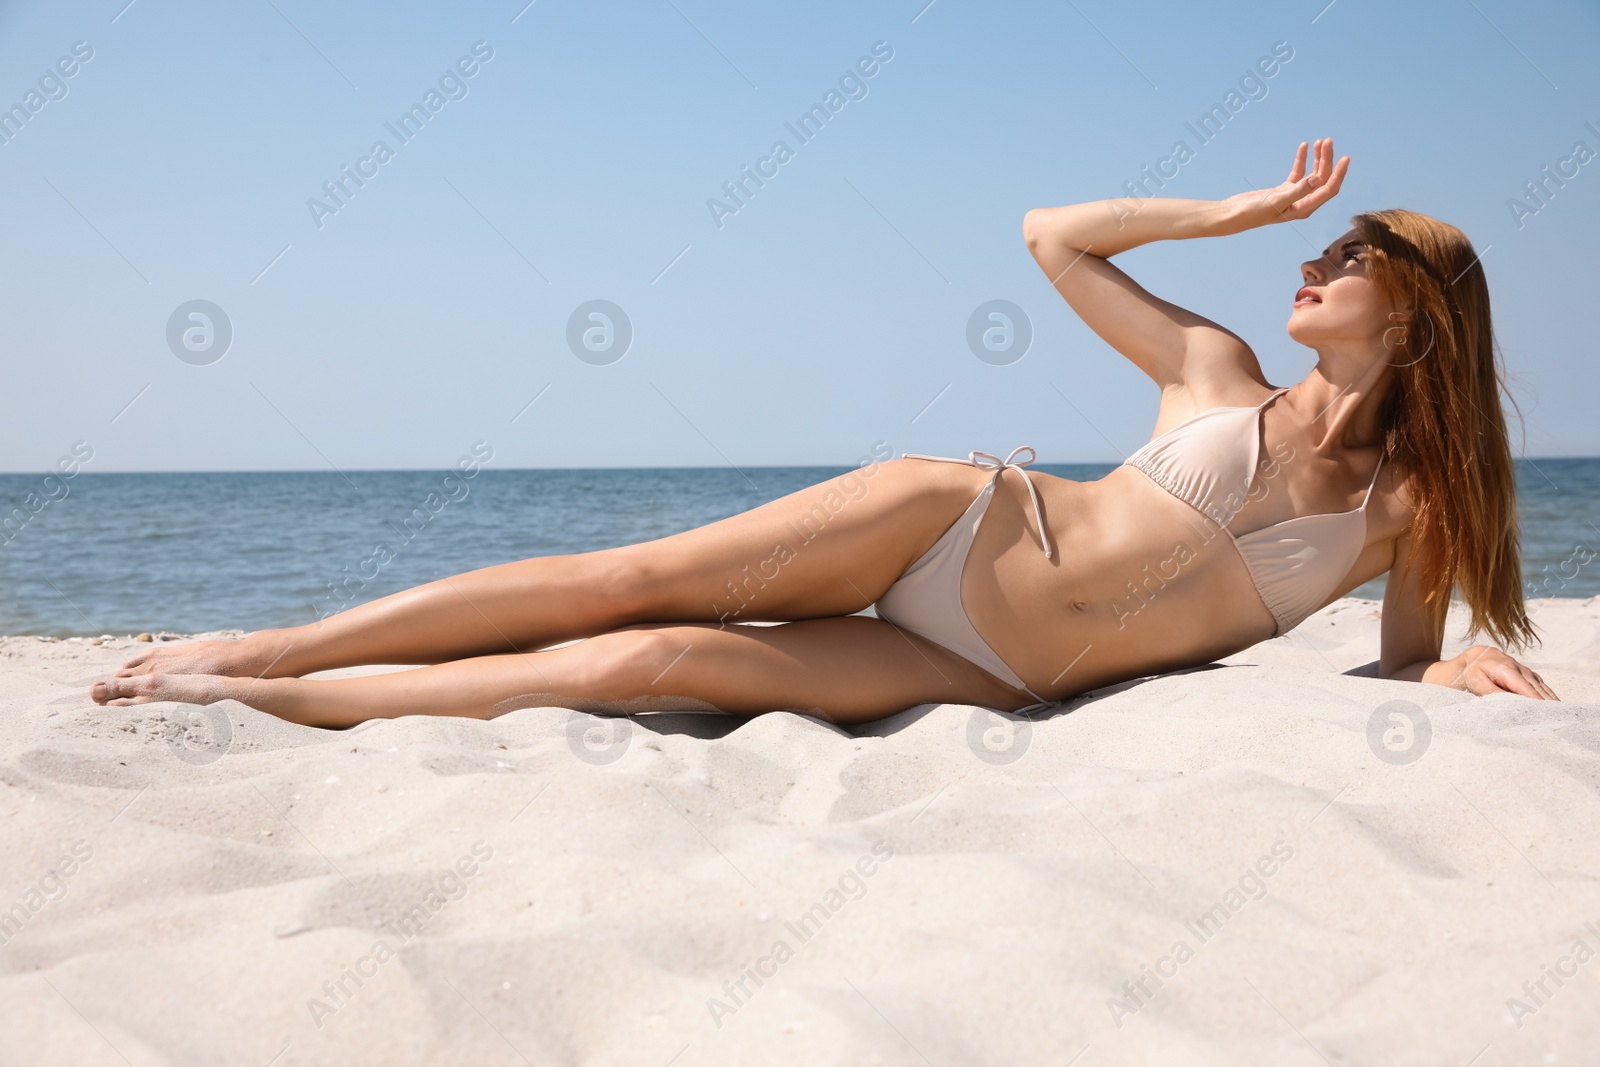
{"type": "Point", "coordinates": [1037, 464]}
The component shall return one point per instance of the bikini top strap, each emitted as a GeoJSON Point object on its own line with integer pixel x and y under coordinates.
{"type": "Point", "coordinates": [1374, 484]}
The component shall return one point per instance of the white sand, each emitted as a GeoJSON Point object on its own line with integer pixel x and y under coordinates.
{"type": "Point", "coordinates": [609, 902]}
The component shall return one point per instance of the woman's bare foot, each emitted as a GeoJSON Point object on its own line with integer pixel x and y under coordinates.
{"type": "Point", "coordinates": [262, 654]}
{"type": "Point", "coordinates": [155, 686]}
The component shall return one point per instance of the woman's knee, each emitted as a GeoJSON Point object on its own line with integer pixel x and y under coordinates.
{"type": "Point", "coordinates": [632, 581]}
{"type": "Point", "coordinates": [633, 661]}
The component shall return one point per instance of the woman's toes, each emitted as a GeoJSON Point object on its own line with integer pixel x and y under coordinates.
{"type": "Point", "coordinates": [120, 692]}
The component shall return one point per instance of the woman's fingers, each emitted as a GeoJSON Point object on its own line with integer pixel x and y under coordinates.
{"type": "Point", "coordinates": [1312, 180]}
{"type": "Point", "coordinates": [1529, 686]}
{"type": "Point", "coordinates": [1508, 676]}
{"type": "Point", "coordinates": [1318, 188]}
{"type": "Point", "coordinates": [1493, 681]}
{"type": "Point", "coordinates": [1512, 677]}
{"type": "Point", "coordinates": [1526, 681]}
{"type": "Point", "coordinates": [1316, 157]}
{"type": "Point", "coordinates": [1542, 686]}
{"type": "Point", "coordinates": [1336, 175]}
{"type": "Point", "coordinates": [1491, 670]}
{"type": "Point", "coordinates": [1298, 171]}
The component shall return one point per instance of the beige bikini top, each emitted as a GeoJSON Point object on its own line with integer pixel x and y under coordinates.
{"type": "Point", "coordinates": [1295, 565]}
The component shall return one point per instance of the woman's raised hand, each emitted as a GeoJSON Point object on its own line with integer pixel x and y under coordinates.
{"type": "Point", "coordinates": [1297, 197]}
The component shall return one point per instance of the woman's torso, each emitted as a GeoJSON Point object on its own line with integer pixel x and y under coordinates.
{"type": "Point", "coordinates": [1142, 582]}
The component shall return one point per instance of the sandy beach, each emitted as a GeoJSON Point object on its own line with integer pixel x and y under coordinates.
{"type": "Point", "coordinates": [1278, 860]}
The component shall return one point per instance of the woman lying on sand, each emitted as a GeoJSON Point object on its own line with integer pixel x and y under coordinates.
{"type": "Point", "coordinates": [1252, 508]}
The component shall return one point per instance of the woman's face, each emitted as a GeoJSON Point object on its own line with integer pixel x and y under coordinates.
{"type": "Point", "coordinates": [1337, 301]}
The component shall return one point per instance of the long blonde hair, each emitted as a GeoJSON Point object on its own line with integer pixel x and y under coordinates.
{"type": "Point", "coordinates": [1443, 421]}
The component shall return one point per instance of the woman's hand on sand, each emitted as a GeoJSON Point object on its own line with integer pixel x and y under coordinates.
{"type": "Point", "coordinates": [1486, 669]}
{"type": "Point", "coordinates": [1297, 197]}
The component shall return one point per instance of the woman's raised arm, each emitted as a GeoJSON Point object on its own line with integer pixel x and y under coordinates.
{"type": "Point", "coordinates": [1072, 245]}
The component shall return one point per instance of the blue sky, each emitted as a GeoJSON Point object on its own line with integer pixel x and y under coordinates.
{"type": "Point", "coordinates": [828, 314]}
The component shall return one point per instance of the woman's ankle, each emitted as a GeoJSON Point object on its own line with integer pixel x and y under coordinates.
{"type": "Point", "coordinates": [273, 653]}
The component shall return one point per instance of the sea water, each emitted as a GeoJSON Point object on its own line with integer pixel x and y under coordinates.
{"type": "Point", "coordinates": [124, 553]}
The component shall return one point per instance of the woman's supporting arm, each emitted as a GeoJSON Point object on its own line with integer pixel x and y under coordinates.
{"type": "Point", "coordinates": [1414, 635]}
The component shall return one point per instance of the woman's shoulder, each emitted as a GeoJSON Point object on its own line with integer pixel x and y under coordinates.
{"type": "Point", "coordinates": [1392, 508]}
{"type": "Point", "coordinates": [1223, 384]}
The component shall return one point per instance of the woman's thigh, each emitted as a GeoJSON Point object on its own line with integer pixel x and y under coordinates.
{"type": "Point", "coordinates": [848, 669]}
{"type": "Point", "coordinates": [827, 550]}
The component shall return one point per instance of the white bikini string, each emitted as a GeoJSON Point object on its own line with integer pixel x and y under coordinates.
{"type": "Point", "coordinates": [999, 466]}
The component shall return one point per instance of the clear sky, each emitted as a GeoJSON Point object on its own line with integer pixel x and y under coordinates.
{"type": "Point", "coordinates": [424, 309]}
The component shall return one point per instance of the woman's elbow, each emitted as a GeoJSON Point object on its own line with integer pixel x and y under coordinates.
{"type": "Point", "coordinates": [1031, 226]}
{"type": "Point", "coordinates": [1053, 228]}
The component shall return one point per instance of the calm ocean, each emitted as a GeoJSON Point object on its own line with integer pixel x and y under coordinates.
{"type": "Point", "coordinates": [121, 553]}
